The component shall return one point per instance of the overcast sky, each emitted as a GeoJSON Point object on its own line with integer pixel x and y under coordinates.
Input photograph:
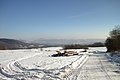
{"type": "Point", "coordinates": [58, 19]}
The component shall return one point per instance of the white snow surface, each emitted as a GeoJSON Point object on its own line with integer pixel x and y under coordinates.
{"type": "Point", "coordinates": [38, 64]}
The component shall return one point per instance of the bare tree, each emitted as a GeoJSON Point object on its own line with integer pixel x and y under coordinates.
{"type": "Point", "coordinates": [113, 42]}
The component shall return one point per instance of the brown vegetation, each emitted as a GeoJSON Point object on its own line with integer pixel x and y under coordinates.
{"type": "Point", "coordinates": [2, 47]}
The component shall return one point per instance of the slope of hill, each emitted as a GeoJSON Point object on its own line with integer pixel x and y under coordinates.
{"type": "Point", "coordinates": [12, 44]}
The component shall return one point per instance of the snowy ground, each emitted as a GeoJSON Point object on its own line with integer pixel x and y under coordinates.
{"type": "Point", "coordinates": [37, 64]}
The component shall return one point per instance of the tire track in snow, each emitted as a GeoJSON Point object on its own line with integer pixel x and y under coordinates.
{"type": "Point", "coordinates": [10, 66]}
{"type": "Point", "coordinates": [95, 69]}
{"type": "Point", "coordinates": [23, 58]}
{"type": "Point", "coordinates": [72, 68]}
{"type": "Point", "coordinates": [103, 69]}
{"type": "Point", "coordinates": [76, 71]}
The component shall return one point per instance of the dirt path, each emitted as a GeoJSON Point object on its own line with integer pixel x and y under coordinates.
{"type": "Point", "coordinates": [97, 67]}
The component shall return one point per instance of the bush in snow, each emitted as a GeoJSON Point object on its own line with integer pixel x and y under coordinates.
{"type": "Point", "coordinates": [113, 42]}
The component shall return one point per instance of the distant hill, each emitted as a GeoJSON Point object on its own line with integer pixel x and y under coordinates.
{"type": "Point", "coordinates": [17, 44]}
{"type": "Point", "coordinates": [67, 41]}
{"type": "Point", "coordinates": [12, 44]}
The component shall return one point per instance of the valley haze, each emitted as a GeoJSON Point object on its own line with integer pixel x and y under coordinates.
{"type": "Point", "coordinates": [67, 41]}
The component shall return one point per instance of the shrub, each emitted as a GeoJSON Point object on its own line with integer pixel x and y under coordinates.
{"type": "Point", "coordinates": [113, 42]}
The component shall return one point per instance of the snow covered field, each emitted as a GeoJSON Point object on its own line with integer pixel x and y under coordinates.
{"type": "Point", "coordinates": [37, 64]}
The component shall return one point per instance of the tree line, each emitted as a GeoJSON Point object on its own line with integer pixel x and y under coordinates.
{"type": "Point", "coordinates": [85, 46]}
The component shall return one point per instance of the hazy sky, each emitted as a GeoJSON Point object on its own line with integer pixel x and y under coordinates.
{"type": "Point", "coordinates": [58, 19]}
